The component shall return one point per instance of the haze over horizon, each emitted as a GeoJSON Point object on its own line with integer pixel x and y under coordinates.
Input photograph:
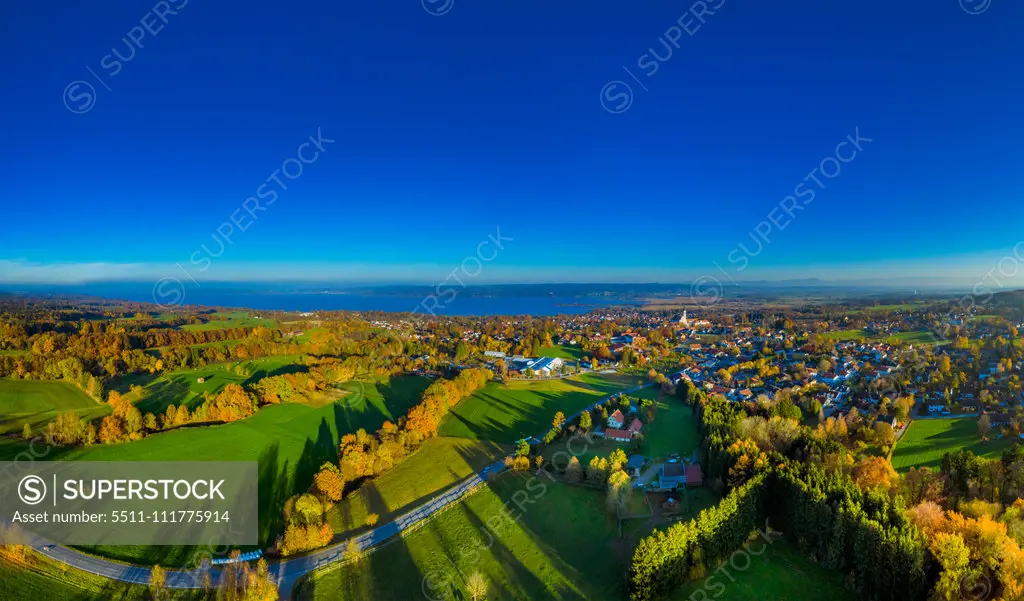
{"type": "Point", "coordinates": [589, 142]}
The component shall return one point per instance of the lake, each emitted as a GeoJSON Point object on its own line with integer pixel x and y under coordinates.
{"type": "Point", "coordinates": [266, 298]}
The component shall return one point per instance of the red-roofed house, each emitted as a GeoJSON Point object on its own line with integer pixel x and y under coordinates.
{"type": "Point", "coordinates": [634, 428]}
{"type": "Point", "coordinates": [616, 420]}
{"type": "Point", "coordinates": [618, 435]}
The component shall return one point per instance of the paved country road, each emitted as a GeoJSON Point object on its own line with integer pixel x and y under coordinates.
{"type": "Point", "coordinates": [286, 572]}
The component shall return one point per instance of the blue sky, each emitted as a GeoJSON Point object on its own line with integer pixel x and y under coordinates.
{"type": "Point", "coordinates": [447, 128]}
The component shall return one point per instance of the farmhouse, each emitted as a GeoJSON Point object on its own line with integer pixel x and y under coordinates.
{"type": "Point", "coordinates": [672, 475]}
{"type": "Point", "coordinates": [616, 420]}
{"type": "Point", "coordinates": [618, 435]}
{"type": "Point", "coordinates": [635, 426]}
{"type": "Point", "coordinates": [675, 474]}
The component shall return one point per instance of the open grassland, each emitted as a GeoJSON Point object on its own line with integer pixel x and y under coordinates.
{"type": "Point", "coordinates": [918, 338]}
{"type": "Point", "coordinates": [563, 546]}
{"type": "Point", "coordinates": [434, 467]}
{"type": "Point", "coordinates": [230, 319]}
{"type": "Point", "coordinates": [289, 441]}
{"type": "Point", "coordinates": [36, 403]}
{"type": "Point", "coordinates": [781, 573]}
{"type": "Point", "coordinates": [182, 387]}
{"type": "Point", "coordinates": [674, 430]}
{"type": "Point", "coordinates": [311, 335]}
{"type": "Point", "coordinates": [38, 577]}
{"type": "Point", "coordinates": [562, 352]}
{"type": "Point", "coordinates": [927, 440]}
{"type": "Point", "coordinates": [844, 335]}
{"type": "Point", "coordinates": [505, 413]}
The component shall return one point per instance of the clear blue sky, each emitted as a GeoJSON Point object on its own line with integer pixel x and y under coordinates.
{"type": "Point", "coordinates": [491, 115]}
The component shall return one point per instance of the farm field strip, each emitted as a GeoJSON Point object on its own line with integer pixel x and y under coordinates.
{"type": "Point", "coordinates": [927, 440]}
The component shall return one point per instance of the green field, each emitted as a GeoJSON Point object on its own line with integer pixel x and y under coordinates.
{"type": "Point", "coordinates": [505, 413]}
{"type": "Point", "coordinates": [37, 403]}
{"type": "Point", "coordinates": [290, 442]}
{"type": "Point", "coordinates": [780, 573]}
{"type": "Point", "coordinates": [231, 319]}
{"type": "Point", "coordinates": [927, 440]}
{"type": "Point", "coordinates": [310, 335]}
{"type": "Point", "coordinates": [562, 352]}
{"type": "Point", "coordinates": [563, 546]}
{"type": "Point", "coordinates": [42, 578]}
{"type": "Point", "coordinates": [919, 337]}
{"type": "Point", "coordinates": [674, 430]}
{"type": "Point", "coordinates": [434, 467]}
{"type": "Point", "coordinates": [182, 387]}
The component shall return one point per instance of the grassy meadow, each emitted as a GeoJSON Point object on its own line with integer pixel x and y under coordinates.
{"type": "Point", "coordinates": [562, 352]}
{"type": "Point", "coordinates": [289, 441]}
{"type": "Point", "coordinates": [38, 577]}
{"type": "Point", "coordinates": [38, 403]}
{"type": "Point", "coordinates": [222, 320]}
{"type": "Point", "coordinates": [918, 338]}
{"type": "Point", "coordinates": [674, 430]}
{"type": "Point", "coordinates": [845, 335]}
{"type": "Point", "coordinates": [927, 440]}
{"type": "Point", "coordinates": [562, 546]}
{"type": "Point", "coordinates": [182, 387]}
{"type": "Point", "coordinates": [504, 413]}
{"type": "Point", "coordinates": [437, 465]}
{"type": "Point", "coordinates": [781, 573]}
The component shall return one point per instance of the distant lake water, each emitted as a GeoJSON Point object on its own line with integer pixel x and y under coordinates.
{"type": "Point", "coordinates": [269, 300]}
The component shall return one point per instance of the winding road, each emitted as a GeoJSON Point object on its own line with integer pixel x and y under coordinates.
{"type": "Point", "coordinates": [286, 572]}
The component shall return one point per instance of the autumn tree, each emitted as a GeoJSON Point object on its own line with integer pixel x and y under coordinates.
{"type": "Point", "coordinates": [597, 470]}
{"type": "Point", "coordinates": [476, 586]}
{"type": "Point", "coordinates": [329, 483]}
{"type": "Point", "coordinates": [984, 425]}
{"type": "Point", "coordinates": [902, 407]}
{"type": "Point", "coordinates": [158, 583]}
{"type": "Point", "coordinates": [353, 552]}
{"type": "Point", "coordinates": [617, 460]}
{"type": "Point", "coordinates": [586, 421]}
{"type": "Point", "coordinates": [574, 471]}
{"type": "Point", "coordinates": [618, 492]}
{"type": "Point", "coordinates": [885, 434]}
{"type": "Point", "coordinates": [952, 554]}
{"type": "Point", "coordinates": [874, 473]}
{"type": "Point", "coordinates": [559, 420]}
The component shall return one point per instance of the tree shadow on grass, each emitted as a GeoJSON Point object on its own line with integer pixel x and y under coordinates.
{"type": "Point", "coordinates": [161, 394]}
{"type": "Point", "coordinates": [524, 584]}
{"type": "Point", "coordinates": [280, 371]}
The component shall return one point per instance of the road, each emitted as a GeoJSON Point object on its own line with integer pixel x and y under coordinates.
{"type": "Point", "coordinates": [286, 572]}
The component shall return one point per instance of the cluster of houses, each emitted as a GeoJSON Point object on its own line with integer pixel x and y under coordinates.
{"type": "Point", "coordinates": [617, 429]}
